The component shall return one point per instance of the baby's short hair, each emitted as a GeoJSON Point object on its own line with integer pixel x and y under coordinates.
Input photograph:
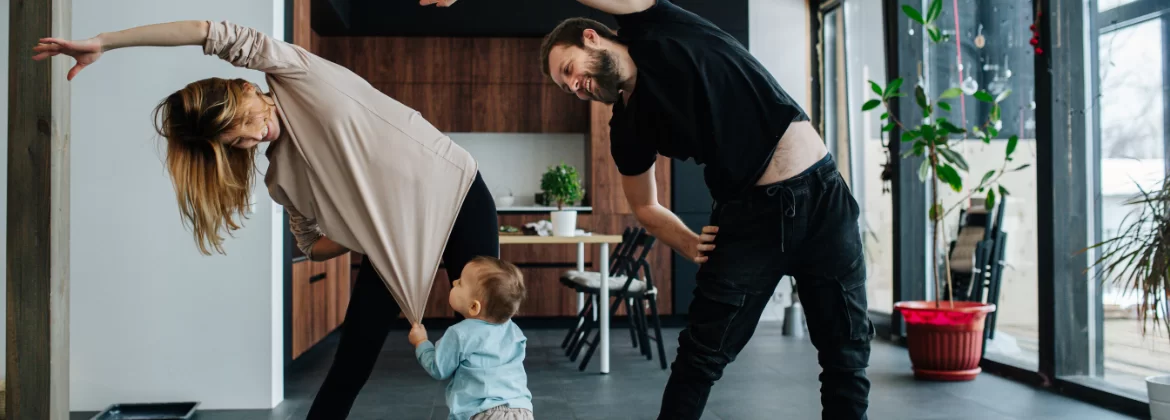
{"type": "Point", "coordinates": [501, 287]}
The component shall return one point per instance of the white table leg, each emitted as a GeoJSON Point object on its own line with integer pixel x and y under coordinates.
{"type": "Point", "coordinates": [604, 310]}
{"type": "Point", "coordinates": [580, 268]}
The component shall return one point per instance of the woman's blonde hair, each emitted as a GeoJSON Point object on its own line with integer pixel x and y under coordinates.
{"type": "Point", "coordinates": [212, 180]}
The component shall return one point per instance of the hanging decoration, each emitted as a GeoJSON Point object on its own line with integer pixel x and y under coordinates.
{"type": "Point", "coordinates": [1036, 31]}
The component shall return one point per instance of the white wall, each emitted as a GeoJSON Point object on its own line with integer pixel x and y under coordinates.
{"type": "Point", "coordinates": [516, 161]}
{"type": "Point", "coordinates": [151, 318]}
{"type": "Point", "coordinates": [778, 36]}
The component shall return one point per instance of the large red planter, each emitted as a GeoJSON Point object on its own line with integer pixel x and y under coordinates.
{"type": "Point", "coordinates": [945, 342]}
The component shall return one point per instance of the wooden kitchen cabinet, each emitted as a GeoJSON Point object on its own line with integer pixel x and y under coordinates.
{"type": "Point", "coordinates": [320, 296]}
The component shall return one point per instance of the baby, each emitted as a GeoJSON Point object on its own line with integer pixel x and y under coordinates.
{"type": "Point", "coordinates": [483, 354]}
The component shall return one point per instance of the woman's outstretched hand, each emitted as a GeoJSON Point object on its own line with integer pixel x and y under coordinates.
{"type": "Point", "coordinates": [440, 3]}
{"type": "Point", "coordinates": [86, 51]}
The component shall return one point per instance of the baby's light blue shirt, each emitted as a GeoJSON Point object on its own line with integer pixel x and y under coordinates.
{"type": "Point", "coordinates": [485, 362]}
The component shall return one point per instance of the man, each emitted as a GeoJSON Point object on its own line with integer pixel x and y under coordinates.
{"type": "Point", "coordinates": [683, 88]}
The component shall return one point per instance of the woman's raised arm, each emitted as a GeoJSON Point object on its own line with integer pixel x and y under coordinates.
{"type": "Point", "coordinates": [239, 45]}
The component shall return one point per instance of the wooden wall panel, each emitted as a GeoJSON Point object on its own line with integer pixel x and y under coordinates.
{"type": "Point", "coordinates": [505, 108]}
{"type": "Point", "coordinates": [448, 109]}
{"type": "Point", "coordinates": [546, 295]}
{"type": "Point", "coordinates": [506, 60]}
{"type": "Point", "coordinates": [406, 60]}
{"type": "Point", "coordinates": [300, 308]}
{"type": "Point", "coordinates": [437, 306]}
{"type": "Point", "coordinates": [302, 24]}
{"type": "Point", "coordinates": [611, 211]}
{"type": "Point", "coordinates": [605, 183]}
{"type": "Point", "coordinates": [463, 84]}
{"type": "Point", "coordinates": [338, 288]}
{"type": "Point", "coordinates": [562, 112]}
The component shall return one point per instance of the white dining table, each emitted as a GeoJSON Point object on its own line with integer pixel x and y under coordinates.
{"type": "Point", "coordinates": [603, 242]}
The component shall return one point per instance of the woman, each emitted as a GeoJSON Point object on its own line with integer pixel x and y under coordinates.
{"type": "Point", "coordinates": [354, 168]}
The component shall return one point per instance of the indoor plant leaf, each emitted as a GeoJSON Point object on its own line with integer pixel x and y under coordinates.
{"type": "Point", "coordinates": [912, 13]}
{"type": "Point", "coordinates": [871, 104]}
{"type": "Point", "coordinates": [934, 10]}
{"type": "Point", "coordinates": [948, 174]}
{"type": "Point", "coordinates": [950, 127]}
{"type": "Point", "coordinates": [893, 86]}
{"type": "Point", "coordinates": [951, 93]}
{"type": "Point", "coordinates": [935, 34]}
{"type": "Point", "coordinates": [1003, 95]}
{"type": "Point", "coordinates": [983, 96]}
{"type": "Point", "coordinates": [953, 157]}
{"type": "Point", "coordinates": [987, 176]}
{"type": "Point", "coordinates": [911, 135]}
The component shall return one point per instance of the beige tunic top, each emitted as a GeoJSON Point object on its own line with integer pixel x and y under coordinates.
{"type": "Point", "coordinates": [374, 175]}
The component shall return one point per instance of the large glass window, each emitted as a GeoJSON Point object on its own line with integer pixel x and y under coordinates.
{"type": "Point", "coordinates": [868, 155]}
{"type": "Point", "coordinates": [833, 78]}
{"type": "Point", "coordinates": [987, 47]}
{"type": "Point", "coordinates": [1130, 154]}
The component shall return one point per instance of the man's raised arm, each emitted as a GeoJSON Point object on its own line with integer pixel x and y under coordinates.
{"type": "Point", "coordinates": [613, 7]}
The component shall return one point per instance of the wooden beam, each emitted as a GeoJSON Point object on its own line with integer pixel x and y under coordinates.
{"type": "Point", "coordinates": [38, 215]}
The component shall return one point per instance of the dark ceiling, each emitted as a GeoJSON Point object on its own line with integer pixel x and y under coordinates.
{"type": "Point", "coordinates": [494, 18]}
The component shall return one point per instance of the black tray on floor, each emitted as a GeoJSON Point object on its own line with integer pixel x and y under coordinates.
{"type": "Point", "coordinates": [149, 411]}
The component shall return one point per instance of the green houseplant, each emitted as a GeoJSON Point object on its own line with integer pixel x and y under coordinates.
{"type": "Point", "coordinates": [1137, 261]}
{"type": "Point", "coordinates": [562, 186]}
{"type": "Point", "coordinates": [945, 338]}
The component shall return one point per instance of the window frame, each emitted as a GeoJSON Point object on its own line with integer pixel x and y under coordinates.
{"type": "Point", "coordinates": [1066, 78]}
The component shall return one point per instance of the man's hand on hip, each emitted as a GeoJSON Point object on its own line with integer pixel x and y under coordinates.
{"type": "Point", "coordinates": [705, 243]}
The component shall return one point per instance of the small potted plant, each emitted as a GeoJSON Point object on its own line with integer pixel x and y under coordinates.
{"type": "Point", "coordinates": [562, 186]}
{"type": "Point", "coordinates": [1137, 261]}
{"type": "Point", "coordinates": [945, 338]}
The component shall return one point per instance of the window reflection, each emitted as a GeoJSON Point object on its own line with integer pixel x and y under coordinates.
{"type": "Point", "coordinates": [866, 61]}
{"type": "Point", "coordinates": [1131, 155]}
{"type": "Point", "coordinates": [988, 48]}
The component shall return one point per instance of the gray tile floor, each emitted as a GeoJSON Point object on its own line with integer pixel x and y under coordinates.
{"type": "Point", "coordinates": [774, 378]}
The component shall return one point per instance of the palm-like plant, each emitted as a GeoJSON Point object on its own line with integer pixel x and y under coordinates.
{"type": "Point", "coordinates": [1138, 259]}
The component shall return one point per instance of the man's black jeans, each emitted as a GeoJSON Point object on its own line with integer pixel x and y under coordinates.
{"type": "Point", "coordinates": [806, 227]}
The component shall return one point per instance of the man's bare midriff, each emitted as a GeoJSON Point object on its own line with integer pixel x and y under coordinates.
{"type": "Point", "coordinates": [800, 147]}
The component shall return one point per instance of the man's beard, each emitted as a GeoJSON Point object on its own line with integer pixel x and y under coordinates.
{"type": "Point", "coordinates": [606, 80]}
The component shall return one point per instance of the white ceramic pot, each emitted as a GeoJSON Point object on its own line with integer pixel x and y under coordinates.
{"type": "Point", "coordinates": [505, 201]}
{"type": "Point", "coordinates": [1158, 388]}
{"type": "Point", "coordinates": [564, 223]}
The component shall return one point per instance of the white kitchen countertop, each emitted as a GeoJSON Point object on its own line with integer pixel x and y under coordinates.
{"type": "Point", "coordinates": [519, 209]}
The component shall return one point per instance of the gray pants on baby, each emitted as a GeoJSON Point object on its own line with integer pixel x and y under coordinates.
{"type": "Point", "coordinates": [504, 412]}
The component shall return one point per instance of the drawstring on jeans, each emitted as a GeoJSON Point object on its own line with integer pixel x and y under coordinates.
{"type": "Point", "coordinates": [789, 207]}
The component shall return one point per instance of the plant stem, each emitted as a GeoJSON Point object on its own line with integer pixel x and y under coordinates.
{"type": "Point", "coordinates": [935, 221]}
{"type": "Point", "coordinates": [999, 173]}
{"type": "Point", "coordinates": [950, 287]}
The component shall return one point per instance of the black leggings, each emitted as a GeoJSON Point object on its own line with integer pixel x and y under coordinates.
{"type": "Point", "coordinates": [372, 309]}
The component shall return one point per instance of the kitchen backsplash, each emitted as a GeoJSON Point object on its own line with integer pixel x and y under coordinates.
{"type": "Point", "coordinates": [515, 161]}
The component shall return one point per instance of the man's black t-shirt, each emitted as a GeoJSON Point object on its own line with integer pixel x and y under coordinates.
{"type": "Point", "coordinates": [698, 95]}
